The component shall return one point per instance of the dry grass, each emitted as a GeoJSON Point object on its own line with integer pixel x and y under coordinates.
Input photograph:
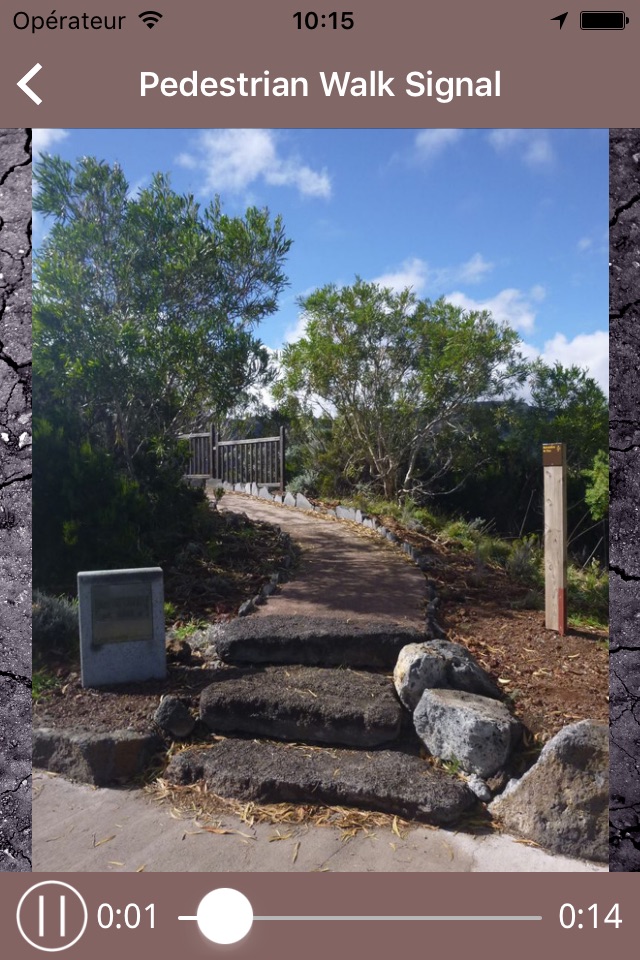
{"type": "Point", "coordinates": [197, 802]}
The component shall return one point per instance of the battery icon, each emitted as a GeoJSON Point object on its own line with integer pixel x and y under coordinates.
{"type": "Point", "coordinates": [603, 20]}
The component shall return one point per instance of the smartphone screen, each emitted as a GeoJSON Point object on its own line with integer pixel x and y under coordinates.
{"type": "Point", "coordinates": [312, 501]}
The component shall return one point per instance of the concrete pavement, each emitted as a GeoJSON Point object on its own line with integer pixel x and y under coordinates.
{"type": "Point", "coordinates": [79, 829]}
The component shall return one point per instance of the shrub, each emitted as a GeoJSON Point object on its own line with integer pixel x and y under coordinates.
{"type": "Point", "coordinates": [525, 562]}
{"type": "Point", "coordinates": [54, 628]}
{"type": "Point", "coordinates": [305, 482]}
{"type": "Point", "coordinates": [588, 593]}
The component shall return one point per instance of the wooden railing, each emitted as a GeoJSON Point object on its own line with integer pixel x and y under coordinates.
{"type": "Point", "coordinates": [259, 461]}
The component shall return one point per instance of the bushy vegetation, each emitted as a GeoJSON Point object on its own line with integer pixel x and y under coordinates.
{"type": "Point", "coordinates": [144, 315]}
{"type": "Point", "coordinates": [55, 630]}
{"type": "Point", "coordinates": [416, 400]}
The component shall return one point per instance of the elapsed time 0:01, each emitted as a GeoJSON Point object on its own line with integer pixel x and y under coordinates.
{"type": "Point", "coordinates": [132, 915]}
{"type": "Point", "coordinates": [311, 20]}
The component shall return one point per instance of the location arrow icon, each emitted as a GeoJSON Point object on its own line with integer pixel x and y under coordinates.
{"type": "Point", "coordinates": [22, 83]}
{"type": "Point", "coordinates": [561, 17]}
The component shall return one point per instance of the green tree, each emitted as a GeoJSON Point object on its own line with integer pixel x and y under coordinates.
{"type": "Point", "coordinates": [597, 492]}
{"type": "Point", "coordinates": [145, 307]}
{"type": "Point", "coordinates": [567, 405]}
{"type": "Point", "coordinates": [563, 404]}
{"type": "Point", "coordinates": [144, 316]}
{"type": "Point", "coordinates": [396, 375]}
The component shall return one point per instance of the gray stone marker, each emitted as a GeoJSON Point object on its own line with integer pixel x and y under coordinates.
{"type": "Point", "coordinates": [121, 626]}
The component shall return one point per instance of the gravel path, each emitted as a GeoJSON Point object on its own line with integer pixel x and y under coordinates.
{"type": "Point", "coordinates": [344, 571]}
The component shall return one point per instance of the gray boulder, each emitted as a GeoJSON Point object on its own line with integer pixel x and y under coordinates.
{"type": "Point", "coordinates": [345, 513]}
{"type": "Point", "coordinates": [264, 493]}
{"type": "Point", "coordinates": [478, 732]}
{"type": "Point", "coordinates": [174, 718]}
{"type": "Point", "coordinates": [439, 663]}
{"type": "Point", "coordinates": [302, 503]}
{"type": "Point", "coordinates": [289, 499]}
{"type": "Point", "coordinates": [562, 802]}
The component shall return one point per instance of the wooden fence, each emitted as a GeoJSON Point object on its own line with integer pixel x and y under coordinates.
{"type": "Point", "coordinates": [259, 461]}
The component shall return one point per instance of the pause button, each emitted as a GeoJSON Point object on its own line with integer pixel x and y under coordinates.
{"type": "Point", "coordinates": [52, 916]}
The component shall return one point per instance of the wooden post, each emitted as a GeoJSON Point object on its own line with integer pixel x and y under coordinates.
{"type": "Point", "coordinates": [212, 452]}
{"type": "Point", "coordinates": [554, 462]}
{"type": "Point", "coordinates": [282, 456]}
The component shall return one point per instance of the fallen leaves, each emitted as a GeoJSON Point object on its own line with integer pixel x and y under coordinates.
{"type": "Point", "coordinates": [98, 843]}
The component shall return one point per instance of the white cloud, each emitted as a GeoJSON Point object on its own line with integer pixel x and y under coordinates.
{"type": "Point", "coordinates": [430, 143]}
{"type": "Point", "coordinates": [586, 350]}
{"type": "Point", "coordinates": [412, 273]}
{"type": "Point", "coordinates": [508, 306]}
{"type": "Point", "coordinates": [234, 159]}
{"type": "Point", "coordinates": [533, 146]}
{"type": "Point", "coordinates": [584, 243]}
{"type": "Point", "coordinates": [297, 331]}
{"type": "Point", "coordinates": [44, 138]}
{"type": "Point", "coordinates": [473, 270]}
{"type": "Point", "coordinates": [420, 276]}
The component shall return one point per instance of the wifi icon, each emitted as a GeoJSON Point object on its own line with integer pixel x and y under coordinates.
{"type": "Point", "coordinates": [150, 17]}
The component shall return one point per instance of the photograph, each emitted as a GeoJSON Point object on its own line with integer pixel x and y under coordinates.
{"type": "Point", "coordinates": [320, 500]}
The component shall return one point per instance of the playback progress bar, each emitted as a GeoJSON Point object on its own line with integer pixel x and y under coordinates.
{"type": "Point", "coordinates": [226, 916]}
{"type": "Point", "coordinates": [392, 918]}
{"type": "Point", "coordinates": [386, 918]}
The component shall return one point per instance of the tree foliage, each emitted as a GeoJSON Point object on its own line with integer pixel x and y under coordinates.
{"type": "Point", "coordinates": [398, 376]}
{"type": "Point", "coordinates": [568, 406]}
{"type": "Point", "coordinates": [145, 307]}
{"type": "Point", "coordinates": [597, 492]}
{"type": "Point", "coordinates": [144, 315]}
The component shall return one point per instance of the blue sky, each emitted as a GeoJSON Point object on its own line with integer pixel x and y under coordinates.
{"type": "Point", "coordinates": [514, 221]}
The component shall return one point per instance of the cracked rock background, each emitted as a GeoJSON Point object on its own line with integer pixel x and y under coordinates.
{"type": "Point", "coordinates": [624, 443]}
{"type": "Point", "coordinates": [15, 500]}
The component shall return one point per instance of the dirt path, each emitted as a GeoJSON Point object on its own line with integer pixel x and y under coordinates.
{"type": "Point", "coordinates": [343, 572]}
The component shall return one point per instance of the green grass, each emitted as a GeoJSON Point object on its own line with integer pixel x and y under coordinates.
{"type": "Point", "coordinates": [42, 683]}
{"type": "Point", "coordinates": [186, 630]}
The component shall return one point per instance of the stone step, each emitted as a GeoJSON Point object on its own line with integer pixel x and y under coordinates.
{"type": "Point", "coordinates": [384, 780]}
{"type": "Point", "coordinates": [303, 704]}
{"type": "Point", "coordinates": [316, 641]}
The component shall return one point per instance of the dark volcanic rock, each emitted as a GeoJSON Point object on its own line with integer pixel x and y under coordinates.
{"type": "Point", "coordinates": [319, 641]}
{"type": "Point", "coordinates": [271, 773]}
{"type": "Point", "coordinates": [173, 717]}
{"type": "Point", "coordinates": [303, 703]}
{"type": "Point", "coordinates": [98, 758]}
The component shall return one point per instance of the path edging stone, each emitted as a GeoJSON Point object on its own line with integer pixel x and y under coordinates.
{"type": "Point", "coordinates": [103, 759]}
